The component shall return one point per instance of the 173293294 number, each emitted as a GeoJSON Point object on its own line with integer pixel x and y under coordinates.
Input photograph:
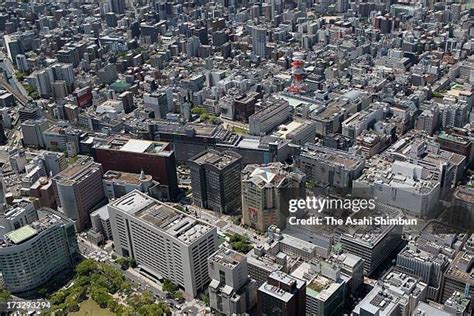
{"type": "Point", "coordinates": [24, 305]}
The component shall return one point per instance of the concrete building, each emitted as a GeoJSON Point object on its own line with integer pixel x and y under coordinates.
{"type": "Point", "coordinates": [100, 220]}
{"type": "Point", "coordinates": [282, 294]}
{"type": "Point", "coordinates": [363, 120]}
{"type": "Point", "coordinates": [16, 216]}
{"type": "Point", "coordinates": [458, 304]}
{"type": "Point", "coordinates": [215, 179]}
{"type": "Point", "coordinates": [159, 103]}
{"type": "Point", "coordinates": [32, 131]}
{"type": "Point", "coordinates": [42, 192]}
{"type": "Point", "coordinates": [428, 120]}
{"type": "Point", "coordinates": [417, 261]}
{"type": "Point", "coordinates": [166, 243]}
{"type": "Point", "coordinates": [118, 183]}
{"type": "Point", "coordinates": [462, 211]}
{"type": "Point", "coordinates": [231, 290]}
{"type": "Point", "coordinates": [259, 42]}
{"type": "Point", "coordinates": [395, 294]}
{"type": "Point", "coordinates": [266, 192]}
{"type": "Point", "coordinates": [373, 244]}
{"type": "Point", "coordinates": [458, 277]}
{"type": "Point", "coordinates": [39, 251]}
{"type": "Point", "coordinates": [277, 112]}
{"type": "Point", "coordinates": [262, 262]}
{"type": "Point", "coordinates": [329, 167]}
{"type": "Point", "coordinates": [298, 133]}
{"type": "Point", "coordinates": [135, 155]}
{"type": "Point", "coordinates": [79, 191]}
{"type": "Point", "coordinates": [14, 46]}
{"type": "Point", "coordinates": [325, 289]}
{"type": "Point", "coordinates": [401, 184]}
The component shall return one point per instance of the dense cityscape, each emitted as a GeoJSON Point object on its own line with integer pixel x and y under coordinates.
{"type": "Point", "coordinates": [237, 157]}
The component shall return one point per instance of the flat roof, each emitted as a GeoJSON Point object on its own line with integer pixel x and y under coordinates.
{"type": "Point", "coordinates": [22, 234]}
{"type": "Point", "coordinates": [136, 146]}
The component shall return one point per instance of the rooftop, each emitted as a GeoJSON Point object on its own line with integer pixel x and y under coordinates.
{"type": "Point", "coordinates": [333, 156]}
{"type": "Point", "coordinates": [21, 234]}
{"type": "Point", "coordinates": [161, 216]}
{"type": "Point", "coordinates": [77, 172]}
{"type": "Point", "coordinates": [227, 257]}
{"type": "Point", "coordinates": [217, 159]}
{"type": "Point", "coordinates": [126, 177]}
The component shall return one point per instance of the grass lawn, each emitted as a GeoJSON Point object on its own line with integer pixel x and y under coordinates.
{"type": "Point", "coordinates": [239, 130]}
{"type": "Point", "coordinates": [90, 308]}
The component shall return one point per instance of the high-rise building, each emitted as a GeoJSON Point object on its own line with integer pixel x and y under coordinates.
{"type": "Point", "coordinates": [79, 191]}
{"type": "Point", "coordinates": [32, 131]}
{"type": "Point", "coordinates": [421, 259]}
{"type": "Point", "coordinates": [231, 290]}
{"type": "Point", "coordinates": [41, 80]}
{"type": "Point", "coordinates": [14, 46]}
{"type": "Point", "coordinates": [158, 103]}
{"type": "Point", "coordinates": [3, 137]}
{"type": "Point", "coordinates": [117, 6]}
{"type": "Point", "coordinates": [30, 111]}
{"type": "Point", "coordinates": [22, 63]}
{"type": "Point", "coordinates": [165, 242]}
{"type": "Point", "coordinates": [34, 253]}
{"type": "Point", "coordinates": [215, 179]}
{"type": "Point", "coordinates": [282, 294]}
{"type": "Point", "coordinates": [266, 192]}
{"type": "Point", "coordinates": [134, 155]}
{"type": "Point", "coordinates": [259, 42]}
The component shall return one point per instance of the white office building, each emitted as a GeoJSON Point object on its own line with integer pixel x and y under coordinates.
{"type": "Point", "coordinates": [166, 243]}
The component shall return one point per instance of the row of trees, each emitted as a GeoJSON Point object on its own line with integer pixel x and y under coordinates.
{"type": "Point", "coordinates": [126, 263]}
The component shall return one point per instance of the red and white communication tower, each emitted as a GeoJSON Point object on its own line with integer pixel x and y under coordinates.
{"type": "Point", "coordinates": [297, 70]}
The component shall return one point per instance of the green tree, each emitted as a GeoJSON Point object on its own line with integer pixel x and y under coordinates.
{"type": "Point", "coordinates": [199, 110]}
{"type": "Point", "coordinates": [5, 295]}
{"type": "Point", "coordinates": [112, 305]}
{"type": "Point", "coordinates": [168, 286]}
{"type": "Point", "coordinates": [123, 262]}
{"type": "Point", "coordinates": [58, 298]}
{"type": "Point", "coordinates": [178, 296]}
{"type": "Point", "coordinates": [20, 75]}
{"type": "Point", "coordinates": [86, 267]}
{"type": "Point", "coordinates": [204, 117]}
{"type": "Point", "coordinates": [101, 296]}
{"type": "Point", "coordinates": [71, 303]}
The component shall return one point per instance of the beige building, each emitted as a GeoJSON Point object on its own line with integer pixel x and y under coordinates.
{"type": "Point", "coordinates": [266, 192]}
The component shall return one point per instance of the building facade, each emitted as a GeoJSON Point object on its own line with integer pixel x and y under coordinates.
{"type": "Point", "coordinates": [266, 192]}
{"type": "Point", "coordinates": [24, 264]}
{"type": "Point", "coordinates": [215, 179]}
{"type": "Point", "coordinates": [166, 243]}
{"type": "Point", "coordinates": [79, 191]}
